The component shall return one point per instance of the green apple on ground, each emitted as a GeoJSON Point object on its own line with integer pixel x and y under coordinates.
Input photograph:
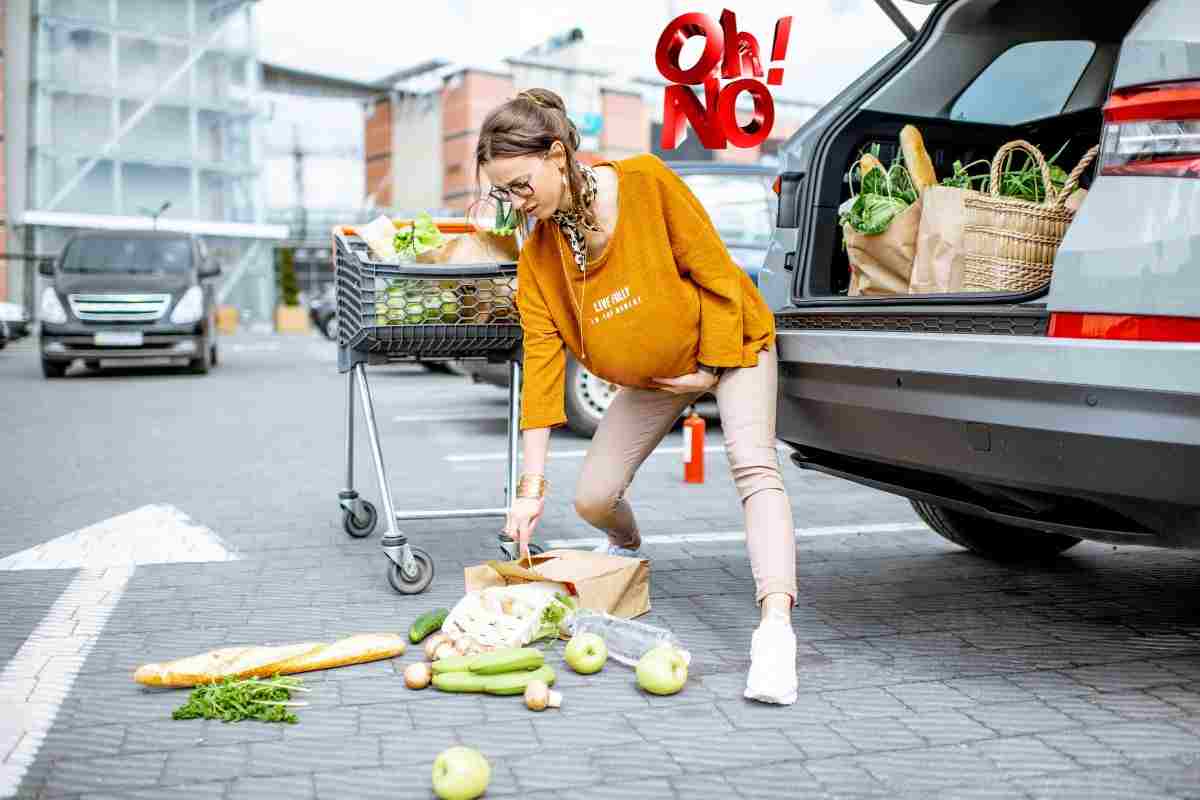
{"type": "Point", "coordinates": [460, 773]}
{"type": "Point", "coordinates": [586, 653]}
{"type": "Point", "coordinates": [663, 670]}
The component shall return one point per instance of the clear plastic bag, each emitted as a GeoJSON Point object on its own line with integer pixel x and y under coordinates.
{"type": "Point", "coordinates": [627, 640]}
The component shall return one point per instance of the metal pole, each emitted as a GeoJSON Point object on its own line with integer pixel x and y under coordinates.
{"type": "Point", "coordinates": [350, 431]}
{"type": "Point", "coordinates": [514, 425]}
{"type": "Point", "coordinates": [389, 510]}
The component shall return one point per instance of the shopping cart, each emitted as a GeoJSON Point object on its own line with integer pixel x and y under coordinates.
{"type": "Point", "coordinates": [408, 312]}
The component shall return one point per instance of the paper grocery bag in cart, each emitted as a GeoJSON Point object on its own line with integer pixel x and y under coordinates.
{"type": "Point", "coordinates": [616, 584]}
{"type": "Point", "coordinates": [473, 248]}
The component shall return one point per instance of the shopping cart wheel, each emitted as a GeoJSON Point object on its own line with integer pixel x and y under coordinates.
{"type": "Point", "coordinates": [420, 578]}
{"type": "Point", "coordinates": [361, 530]}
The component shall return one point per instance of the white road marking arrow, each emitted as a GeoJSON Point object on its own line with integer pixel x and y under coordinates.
{"type": "Point", "coordinates": [38, 679]}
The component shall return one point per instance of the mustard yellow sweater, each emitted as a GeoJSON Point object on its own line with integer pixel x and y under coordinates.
{"type": "Point", "coordinates": [663, 296]}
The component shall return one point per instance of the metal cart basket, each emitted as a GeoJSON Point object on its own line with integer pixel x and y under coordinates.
{"type": "Point", "coordinates": [407, 312]}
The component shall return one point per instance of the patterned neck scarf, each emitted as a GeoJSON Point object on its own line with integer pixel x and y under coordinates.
{"type": "Point", "coordinates": [573, 224]}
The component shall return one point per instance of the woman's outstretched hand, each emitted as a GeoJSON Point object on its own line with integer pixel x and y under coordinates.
{"type": "Point", "coordinates": [523, 516]}
{"type": "Point", "coordinates": [698, 381]}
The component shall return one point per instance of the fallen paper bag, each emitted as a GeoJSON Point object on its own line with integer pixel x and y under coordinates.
{"type": "Point", "coordinates": [616, 584]}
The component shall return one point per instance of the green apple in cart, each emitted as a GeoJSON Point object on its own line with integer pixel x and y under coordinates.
{"type": "Point", "coordinates": [460, 773]}
{"type": "Point", "coordinates": [586, 653]}
{"type": "Point", "coordinates": [663, 670]}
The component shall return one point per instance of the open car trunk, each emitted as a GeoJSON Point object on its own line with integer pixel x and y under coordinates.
{"type": "Point", "coordinates": [990, 72]}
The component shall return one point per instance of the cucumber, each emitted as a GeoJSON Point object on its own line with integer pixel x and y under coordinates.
{"type": "Point", "coordinates": [426, 624]}
{"type": "Point", "coordinates": [515, 682]}
{"type": "Point", "coordinates": [459, 682]}
{"type": "Point", "coordinates": [510, 659]}
{"type": "Point", "coordinates": [453, 664]}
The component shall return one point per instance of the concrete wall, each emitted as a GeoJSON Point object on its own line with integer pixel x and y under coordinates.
{"type": "Point", "coordinates": [417, 160]}
{"type": "Point", "coordinates": [467, 98]}
{"type": "Point", "coordinates": [17, 40]}
{"type": "Point", "coordinates": [626, 130]}
{"type": "Point", "coordinates": [378, 151]}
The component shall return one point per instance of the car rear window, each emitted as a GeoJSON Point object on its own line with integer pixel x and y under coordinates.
{"type": "Point", "coordinates": [1027, 82]}
{"type": "Point", "coordinates": [118, 254]}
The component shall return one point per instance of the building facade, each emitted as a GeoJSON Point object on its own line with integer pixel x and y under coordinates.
{"type": "Point", "coordinates": [135, 114]}
{"type": "Point", "coordinates": [420, 136]}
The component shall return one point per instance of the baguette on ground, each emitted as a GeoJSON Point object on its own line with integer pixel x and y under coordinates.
{"type": "Point", "coordinates": [261, 662]}
{"type": "Point", "coordinates": [916, 158]}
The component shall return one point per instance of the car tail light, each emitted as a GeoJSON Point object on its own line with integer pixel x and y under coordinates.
{"type": "Point", "coordinates": [1125, 327]}
{"type": "Point", "coordinates": [777, 184]}
{"type": "Point", "coordinates": [1153, 131]}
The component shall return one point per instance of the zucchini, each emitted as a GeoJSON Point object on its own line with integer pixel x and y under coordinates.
{"type": "Point", "coordinates": [510, 659]}
{"type": "Point", "coordinates": [459, 682]}
{"type": "Point", "coordinates": [515, 682]}
{"type": "Point", "coordinates": [453, 664]}
{"type": "Point", "coordinates": [426, 624]}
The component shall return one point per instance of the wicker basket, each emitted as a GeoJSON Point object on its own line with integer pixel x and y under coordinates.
{"type": "Point", "coordinates": [1009, 244]}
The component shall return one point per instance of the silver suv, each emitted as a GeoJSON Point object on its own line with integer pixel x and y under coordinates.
{"type": "Point", "coordinates": [1016, 424]}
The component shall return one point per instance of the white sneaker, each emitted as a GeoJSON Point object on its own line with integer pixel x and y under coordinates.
{"type": "Point", "coordinates": [614, 550]}
{"type": "Point", "coordinates": [772, 677]}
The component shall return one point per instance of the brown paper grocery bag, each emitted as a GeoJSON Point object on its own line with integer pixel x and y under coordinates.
{"type": "Point", "coordinates": [882, 263]}
{"type": "Point", "coordinates": [472, 248]}
{"type": "Point", "coordinates": [938, 266]}
{"type": "Point", "coordinates": [616, 584]}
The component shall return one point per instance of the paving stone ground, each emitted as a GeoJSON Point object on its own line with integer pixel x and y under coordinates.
{"type": "Point", "coordinates": [925, 672]}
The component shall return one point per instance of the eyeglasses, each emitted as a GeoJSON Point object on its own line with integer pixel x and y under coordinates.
{"type": "Point", "coordinates": [520, 188]}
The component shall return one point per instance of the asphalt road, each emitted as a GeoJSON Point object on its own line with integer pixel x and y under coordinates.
{"type": "Point", "coordinates": [201, 511]}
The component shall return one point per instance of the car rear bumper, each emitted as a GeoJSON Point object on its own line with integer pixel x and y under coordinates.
{"type": "Point", "coordinates": [1017, 422]}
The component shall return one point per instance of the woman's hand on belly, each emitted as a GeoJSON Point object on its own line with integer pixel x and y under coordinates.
{"type": "Point", "coordinates": [698, 381]}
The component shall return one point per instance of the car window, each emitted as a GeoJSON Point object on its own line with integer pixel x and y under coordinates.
{"type": "Point", "coordinates": [1029, 81]}
{"type": "Point", "coordinates": [116, 254]}
{"type": "Point", "coordinates": [740, 206]}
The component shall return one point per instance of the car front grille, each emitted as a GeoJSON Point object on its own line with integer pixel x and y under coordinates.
{"type": "Point", "coordinates": [119, 307]}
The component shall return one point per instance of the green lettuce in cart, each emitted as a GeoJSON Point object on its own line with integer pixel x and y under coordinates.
{"type": "Point", "coordinates": [420, 236]}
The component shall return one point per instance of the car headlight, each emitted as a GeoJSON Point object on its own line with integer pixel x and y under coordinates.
{"type": "Point", "coordinates": [190, 307]}
{"type": "Point", "coordinates": [52, 308]}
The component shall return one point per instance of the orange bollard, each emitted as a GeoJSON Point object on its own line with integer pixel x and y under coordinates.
{"type": "Point", "coordinates": [693, 448]}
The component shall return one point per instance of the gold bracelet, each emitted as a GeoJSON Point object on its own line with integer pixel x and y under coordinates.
{"type": "Point", "coordinates": [523, 486]}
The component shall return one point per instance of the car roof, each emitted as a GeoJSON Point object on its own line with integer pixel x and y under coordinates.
{"type": "Point", "coordinates": [720, 168]}
{"type": "Point", "coordinates": [132, 235]}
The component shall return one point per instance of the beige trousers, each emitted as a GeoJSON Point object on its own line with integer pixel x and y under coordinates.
{"type": "Point", "coordinates": [637, 421]}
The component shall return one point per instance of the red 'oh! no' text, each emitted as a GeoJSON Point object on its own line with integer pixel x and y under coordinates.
{"type": "Point", "coordinates": [733, 51]}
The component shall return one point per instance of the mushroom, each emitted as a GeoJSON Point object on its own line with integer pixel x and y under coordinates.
{"type": "Point", "coordinates": [417, 675]}
{"type": "Point", "coordinates": [431, 644]}
{"type": "Point", "coordinates": [538, 696]}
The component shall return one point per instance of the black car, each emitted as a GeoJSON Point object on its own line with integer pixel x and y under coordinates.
{"type": "Point", "coordinates": [130, 296]}
{"type": "Point", "coordinates": [742, 206]}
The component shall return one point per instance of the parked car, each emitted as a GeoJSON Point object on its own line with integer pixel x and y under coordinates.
{"type": "Point", "coordinates": [739, 200]}
{"type": "Point", "coordinates": [4, 334]}
{"type": "Point", "coordinates": [322, 310]}
{"type": "Point", "coordinates": [130, 296]}
{"type": "Point", "coordinates": [16, 318]}
{"type": "Point", "coordinates": [1017, 424]}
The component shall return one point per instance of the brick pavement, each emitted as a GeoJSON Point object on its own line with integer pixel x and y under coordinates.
{"type": "Point", "coordinates": [925, 672]}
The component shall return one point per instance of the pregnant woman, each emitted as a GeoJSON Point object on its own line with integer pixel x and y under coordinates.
{"type": "Point", "coordinates": [625, 269]}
